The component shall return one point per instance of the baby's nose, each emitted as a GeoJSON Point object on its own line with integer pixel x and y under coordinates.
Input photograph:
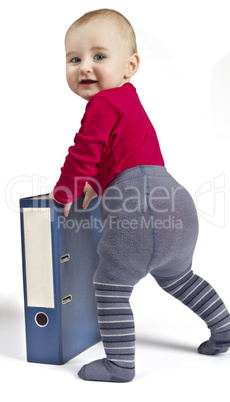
{"type": "Point", "coordinates": [86, 67]}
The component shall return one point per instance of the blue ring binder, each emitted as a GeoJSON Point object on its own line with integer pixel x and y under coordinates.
{"type": "Point", "coordinates": [59, 258]}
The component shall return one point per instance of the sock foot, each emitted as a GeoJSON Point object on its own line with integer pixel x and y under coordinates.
{"type": "Point", "coordinates": [104, 370]}
{"type": "Point", "coordinates": [213, 347]}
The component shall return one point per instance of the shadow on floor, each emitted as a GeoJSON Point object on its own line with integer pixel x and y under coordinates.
{"type": "Point", "coordinates": [166, 344]}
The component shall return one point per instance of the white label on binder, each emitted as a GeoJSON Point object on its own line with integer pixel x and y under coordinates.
{"type": "Point", "coordinates": [38, 256]}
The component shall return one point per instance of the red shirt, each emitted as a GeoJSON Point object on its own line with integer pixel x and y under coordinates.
{"type": "Point", "coordinates": [115, 134]}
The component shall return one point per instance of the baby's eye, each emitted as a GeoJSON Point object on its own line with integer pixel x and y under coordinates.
{"type": "Point", "coordinates": [99, 57]}
{"type": "Point", "coordinates": [75, 60]}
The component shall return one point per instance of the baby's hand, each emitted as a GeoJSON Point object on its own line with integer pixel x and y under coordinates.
{"type": "Point", "coordinates": [66, 206]}
{"type": "Point", "coordinates": [89, 193]}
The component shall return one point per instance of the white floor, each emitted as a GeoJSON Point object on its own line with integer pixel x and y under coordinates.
{"type": "Point", "coordinates": [167, 364]}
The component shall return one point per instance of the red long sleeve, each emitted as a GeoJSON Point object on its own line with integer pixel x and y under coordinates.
{"type": "Point", "coordinates": [81, 163]}
{"type": "Point", "coordinates": [115, 135]}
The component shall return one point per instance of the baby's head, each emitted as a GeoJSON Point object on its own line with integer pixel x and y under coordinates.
{"type": "Point", "coordinates": [101, 52]}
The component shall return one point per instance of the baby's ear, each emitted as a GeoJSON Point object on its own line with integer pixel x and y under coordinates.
{"type": "Point", "coordinates": [133, 64]}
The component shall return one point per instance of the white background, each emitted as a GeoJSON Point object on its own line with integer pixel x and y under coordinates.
{"type": "Point", "coordinates": [184, 84]}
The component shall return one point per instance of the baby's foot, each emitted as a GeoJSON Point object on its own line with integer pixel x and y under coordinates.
{"type": "Point", "coordinates": [104, 370]}
{"type": "Point", "coordinates": [214, 347]}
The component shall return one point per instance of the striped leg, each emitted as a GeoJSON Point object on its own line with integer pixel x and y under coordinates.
{"type": "Point", "coordinates": [203, 300]}
{"type": "Point", "coordinates": [116, 324]}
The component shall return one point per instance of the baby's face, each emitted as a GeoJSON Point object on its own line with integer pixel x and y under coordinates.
{"type": "Point", "coordinates": [95, 59]}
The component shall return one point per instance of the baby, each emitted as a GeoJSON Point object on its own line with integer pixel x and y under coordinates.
{"type": "Point", "coordinates": [150, 221]}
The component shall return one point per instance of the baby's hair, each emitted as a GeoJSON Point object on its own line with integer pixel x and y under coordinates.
{"type": "Point", "coordinates": [125, 28]}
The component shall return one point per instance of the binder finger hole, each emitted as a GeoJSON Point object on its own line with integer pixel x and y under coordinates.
{"type": "Point", "coordinates": [41, 319]}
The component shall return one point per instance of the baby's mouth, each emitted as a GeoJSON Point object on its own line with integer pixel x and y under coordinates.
{"type": "Point", "coordinates": [87, 82]}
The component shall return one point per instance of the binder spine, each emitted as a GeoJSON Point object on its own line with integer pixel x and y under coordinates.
{"type": "Point", "coordinates": [41, 283]}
